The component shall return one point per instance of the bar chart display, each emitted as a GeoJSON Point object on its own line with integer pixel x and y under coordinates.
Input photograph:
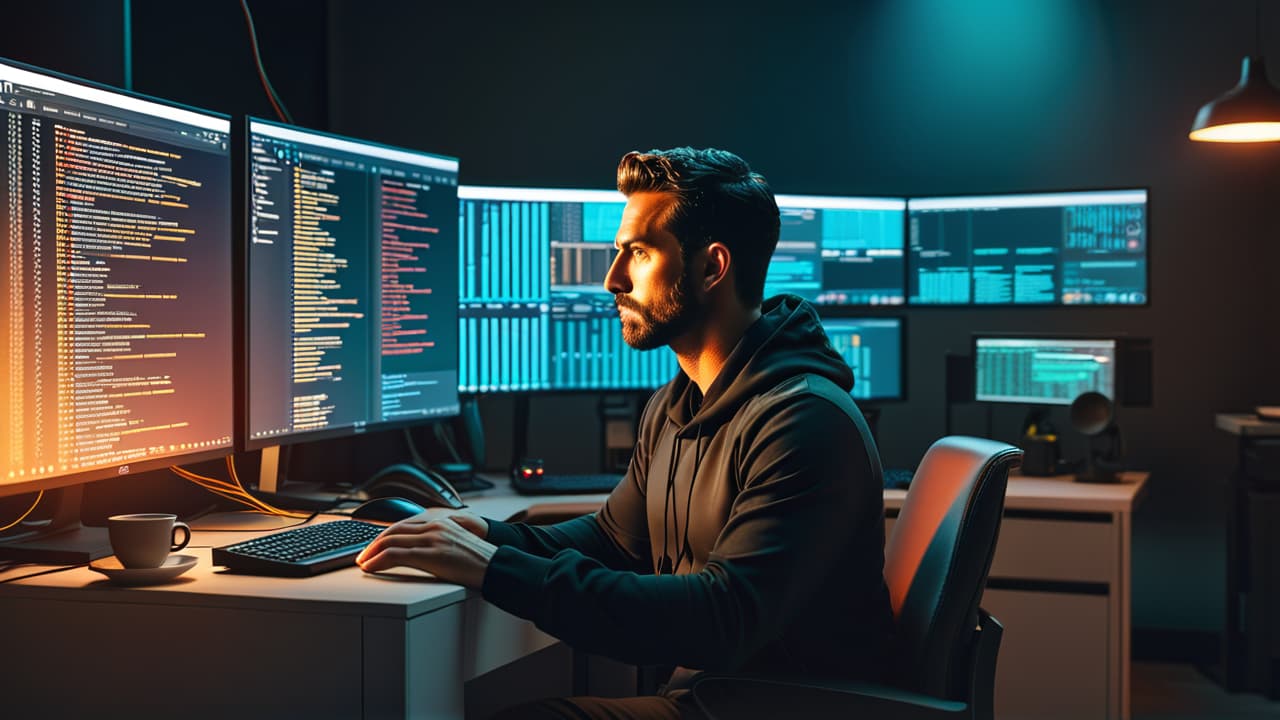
{"type": "Point", "coordinates": [115, 281]}
{"type": "Point", "coordinates": [1077, 248]}
{"type": "Point", "coordinates": [872, 347]}
{"type": "Point", "coordinates": [1049, 371]}
{"type": "Point", "coordinates": [353, 301]}
{"type": "Point", "coordinates": [533, 313]}
{"type": "Point", "coordinates": [840, 250]}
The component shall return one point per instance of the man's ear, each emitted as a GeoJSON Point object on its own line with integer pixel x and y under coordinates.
{"type": "Point", "coordinates": [716, 269]}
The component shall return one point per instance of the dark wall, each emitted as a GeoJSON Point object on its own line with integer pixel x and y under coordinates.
{"type": "Point", "coordinates": [910, 97]}
{"type": "Point", "coordinates": [902, 97]}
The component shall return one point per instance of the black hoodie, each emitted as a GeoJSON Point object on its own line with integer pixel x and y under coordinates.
{"type": "Point", "coordinates": [770, 485]}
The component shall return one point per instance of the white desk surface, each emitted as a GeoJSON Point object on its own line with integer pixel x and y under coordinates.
{"type": "Point", "coordinates": [349, 591]}
{"type": "Point", "coordinates": [1246, 424]}
{"type": "Point", "coordinates": [400, 594]}
{"type": "Point", "coordinates": [1060, 493]}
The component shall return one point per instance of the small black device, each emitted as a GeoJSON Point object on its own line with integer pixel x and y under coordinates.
{"type": "Point", "coordinates": [303, 552]}
{"type": "Point", "coordinates": [529, 478]}
{"type": "Point", "coordinates": [424, 487]}
{"type": "Point", "coordinates": [387, 509]}
{"type": "Point", "coordinates": [1092, 415]}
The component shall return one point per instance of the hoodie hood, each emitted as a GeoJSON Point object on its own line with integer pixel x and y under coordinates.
{"type": "Point", "coordinates": [786, 341]}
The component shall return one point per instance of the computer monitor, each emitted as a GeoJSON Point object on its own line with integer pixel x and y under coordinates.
{"type": "Point", "coordinates": [839, 250]}
{"type": "Point", "coordinates": [1042, 370]}
{"type": "Point", "coordinates": [534, 313]}
{"type": "Point", "coordinates": [873, 348]}
{"type": "Point", "coordinates": [116, 277]}
{"type": "Point", "coordinates": [352, 294]}
{"type": "Point", "coordinates": [1067, 248]}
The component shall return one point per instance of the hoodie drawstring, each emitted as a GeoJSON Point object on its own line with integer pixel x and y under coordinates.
{"type": "Point", "coordinates": [667, 566]}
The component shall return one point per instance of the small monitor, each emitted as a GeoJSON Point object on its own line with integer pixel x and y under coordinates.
{"type": "Point", "coordinates": [1068, 248]}
{"type": "Point", "coordinates": [116, 267]}
{"type": "Point", "coordinates": [873, 349]}
{"type": "Point", "coordinates": [1042, 370]}
{"type": "Point", "coordinates": [534, 313]}
{"type": "Point", "coordinates": [839, 250]}
{"type": "Point", "coordinates": [352, 293]}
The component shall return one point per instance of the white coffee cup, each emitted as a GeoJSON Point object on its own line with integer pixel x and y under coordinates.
{"type": "Point", "coordinates": [144, 540]}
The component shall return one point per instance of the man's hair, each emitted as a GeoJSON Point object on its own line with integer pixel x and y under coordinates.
{"type": "Point", "coordinates": [718, 199]}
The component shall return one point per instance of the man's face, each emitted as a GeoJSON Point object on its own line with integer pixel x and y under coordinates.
{"type": "Point", "coordinates": [651, 286]}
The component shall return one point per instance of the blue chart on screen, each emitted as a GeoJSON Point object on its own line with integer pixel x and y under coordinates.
{"type": "Point", "coordinates": [1049, 371]}
{"type": "Point", "coordinates": [534, 314]}
{"type": "Point", "coordinates": [873, 349]}
{"type": "Point", "coordinates": [839, 250]}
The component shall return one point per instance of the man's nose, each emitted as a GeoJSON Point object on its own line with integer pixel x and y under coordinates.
{"type": "Point", "coordinates": [616, 280]}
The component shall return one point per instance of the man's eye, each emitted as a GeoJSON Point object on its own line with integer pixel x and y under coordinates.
{"type": "Point", "coordinates": [640, 254]}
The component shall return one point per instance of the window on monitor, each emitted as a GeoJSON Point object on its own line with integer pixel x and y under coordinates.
{"type": "Point", "coordinates": [352, 305]}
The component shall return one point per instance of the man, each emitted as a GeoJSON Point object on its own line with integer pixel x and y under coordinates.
{"type": "Point", "coordinates": [748, 533]}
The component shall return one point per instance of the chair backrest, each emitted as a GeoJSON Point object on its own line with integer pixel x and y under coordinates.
{"type": "Point", "coordinates": [938, 556]}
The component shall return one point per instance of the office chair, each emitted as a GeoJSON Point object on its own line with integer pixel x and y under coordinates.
{"type": "Point", "coordinates": [936, 564]}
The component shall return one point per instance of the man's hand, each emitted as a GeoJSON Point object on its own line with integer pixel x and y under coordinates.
{"type": "Point", "coordinates": [451, 548]}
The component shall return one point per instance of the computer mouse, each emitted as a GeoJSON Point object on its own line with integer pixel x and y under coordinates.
{"type": "Point", "coordinates": [411, 482]}
{"type": "Point", "coordinates": [387, 509]}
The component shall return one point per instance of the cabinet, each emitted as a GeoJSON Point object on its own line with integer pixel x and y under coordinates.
{"type": "Point", "coordinates": [1060, 585]}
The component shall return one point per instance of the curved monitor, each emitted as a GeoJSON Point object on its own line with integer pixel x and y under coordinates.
{"type": "Point", "coordinates": [116, 276]}
{"type": "Point", "coordinates": [1066, 248]}
{"type": "Point", "coordinates": [352, 297]}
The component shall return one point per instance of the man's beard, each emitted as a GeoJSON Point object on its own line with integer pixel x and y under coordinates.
{"type": "Point", "coordinates": [663, 320]}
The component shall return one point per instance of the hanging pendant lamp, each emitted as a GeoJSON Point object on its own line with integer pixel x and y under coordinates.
{"type": "Point", "coordinates": [1248, 112]}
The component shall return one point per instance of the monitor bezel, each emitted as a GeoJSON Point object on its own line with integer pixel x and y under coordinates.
{"type": "Point", "coordinates": [907, 262]}
{"type": "Point", "coordinates": [63, 480]}
{"type": "Point", "coordinates": [1115, 338]}
{"type": "Point", "coordinates": [244, 441]}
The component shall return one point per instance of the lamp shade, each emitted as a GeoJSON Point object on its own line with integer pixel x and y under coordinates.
{"type": "Point", "coordinates": [1248, 112]}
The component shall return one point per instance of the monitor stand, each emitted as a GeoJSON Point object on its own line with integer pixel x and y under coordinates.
{"type": "Point", "coordinates": [59, 540]}
{"type": "Point", "coordinates": [275, 488]}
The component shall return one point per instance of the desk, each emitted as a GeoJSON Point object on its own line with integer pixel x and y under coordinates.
{"type": "Point", "coordinates": [218, 645]}
{"type": "Point", "coordinates": [346, 644]}
{"type": "Point", "coordinates": [1060, 585]}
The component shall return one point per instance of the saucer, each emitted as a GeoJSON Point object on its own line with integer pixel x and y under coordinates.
{"type": "Point", "coordinates": [172, 567]}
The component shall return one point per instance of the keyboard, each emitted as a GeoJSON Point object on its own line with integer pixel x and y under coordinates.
{"type": "Point", "coordinates": [307, 551]}
{"type": "Point", "coordinates": [896, 478]}
{"type": "Point", "coordinates": [565, 484]}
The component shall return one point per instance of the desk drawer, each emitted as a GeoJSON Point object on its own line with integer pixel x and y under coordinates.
{"type": "Point", "coordinates": [1053, 549]}
{"type": "Point", "coordinates": [1064, 550]}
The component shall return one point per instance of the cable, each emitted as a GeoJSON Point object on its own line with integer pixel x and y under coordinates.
{"type": "Point", "coordinates": [276, 103]}
{"type": "Point", "coordinates": [24, 515]}
{"type": "Point", "coordinates": [62, 568]}
{"type": "Point", "coordinates": [234, 490]}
